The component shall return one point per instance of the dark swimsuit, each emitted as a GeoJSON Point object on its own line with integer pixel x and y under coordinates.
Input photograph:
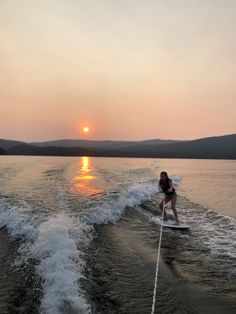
{"type": "Point", "coordinates": [165, 185]}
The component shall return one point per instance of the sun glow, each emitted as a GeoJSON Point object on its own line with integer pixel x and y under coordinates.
{"type": "Point", "coordinates": [86, 129]}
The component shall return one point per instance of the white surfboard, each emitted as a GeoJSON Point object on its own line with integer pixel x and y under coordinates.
{"type": "Point", "coordinates": [170, 224]}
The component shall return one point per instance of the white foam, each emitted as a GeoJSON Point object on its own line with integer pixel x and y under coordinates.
{"type": "Point", "coordinates": [17, 221]}
{"type": "Point", "coordinates": [111, 210]}
{"type": "Point", "coordinates": [60, 264]}
{"type": "Point", "coordinates": [176, 179]}
{"type": "Point", "coordinates": [54, 244]}
{"type": "Point", "coordinates": [216, 231]}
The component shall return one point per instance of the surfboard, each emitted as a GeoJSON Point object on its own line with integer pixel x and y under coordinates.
{"type": "Point", "coordinates": [170, 224]}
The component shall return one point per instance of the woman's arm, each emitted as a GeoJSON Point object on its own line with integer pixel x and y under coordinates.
{"type": "Point", "coordinates": [159, 188]}
{"type": "Point", "coordinates": [171, 189]}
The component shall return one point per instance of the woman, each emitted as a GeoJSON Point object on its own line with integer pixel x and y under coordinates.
{"type": "Point", "coordinates": [166, 186]}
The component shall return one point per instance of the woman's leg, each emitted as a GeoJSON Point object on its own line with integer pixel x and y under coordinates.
{"type": "Point", "coordinates": [173, 207]}
{"type": "Point", "coordinates": [166, 200]}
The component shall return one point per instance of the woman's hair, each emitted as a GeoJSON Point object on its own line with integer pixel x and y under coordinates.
{"type": "Point", "coordinates": [165, 173]}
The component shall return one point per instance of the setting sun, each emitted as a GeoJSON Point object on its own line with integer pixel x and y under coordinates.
{"type": "Point", "coordinates": [86, 129]}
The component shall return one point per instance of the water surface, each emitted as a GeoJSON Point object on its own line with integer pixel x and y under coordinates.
{"type": "Point", "coordinates": [77, 236]}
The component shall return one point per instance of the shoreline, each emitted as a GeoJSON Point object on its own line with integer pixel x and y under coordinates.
{"type": "Point", "coordinates": [119, 156]}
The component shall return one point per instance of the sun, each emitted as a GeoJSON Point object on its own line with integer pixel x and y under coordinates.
{"type": "Point", "coordinates": [86, 129]}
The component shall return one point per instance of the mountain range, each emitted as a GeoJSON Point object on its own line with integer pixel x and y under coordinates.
{"type": "Point", "coordinates": [220, 147]}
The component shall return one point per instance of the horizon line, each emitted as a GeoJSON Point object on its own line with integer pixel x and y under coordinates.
{"type": "Point", "coordinates": [110, 140]}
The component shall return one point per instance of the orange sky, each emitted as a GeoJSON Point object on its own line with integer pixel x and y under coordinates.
{"type": "Point", "coordinates": [130, 69]}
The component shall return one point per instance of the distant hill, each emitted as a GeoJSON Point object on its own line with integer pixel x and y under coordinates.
{"type": "Point", "coordinates": [5, 144]}
{"type": "Point", "coordinates": [101, 144]}
{"type": "Point", "coordinates": [27, 149]}
{"type": "Point", "coordinates": [220, 147]}
{"type": "Point", "coordinates": [2, 151]}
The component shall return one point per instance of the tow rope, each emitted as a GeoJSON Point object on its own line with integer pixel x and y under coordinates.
{"type": "Point", "coordinates": [157, 264]}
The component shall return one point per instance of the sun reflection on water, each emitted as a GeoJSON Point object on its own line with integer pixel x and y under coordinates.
{"type": "Point", "coordinates": [84, 180]}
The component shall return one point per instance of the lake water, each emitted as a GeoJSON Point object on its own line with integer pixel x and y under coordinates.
{"type": "Point", "coordinates": [77, 236]}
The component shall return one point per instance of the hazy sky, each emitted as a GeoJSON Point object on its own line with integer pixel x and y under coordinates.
{"type": "Point", "coordinates": [129, 69]}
